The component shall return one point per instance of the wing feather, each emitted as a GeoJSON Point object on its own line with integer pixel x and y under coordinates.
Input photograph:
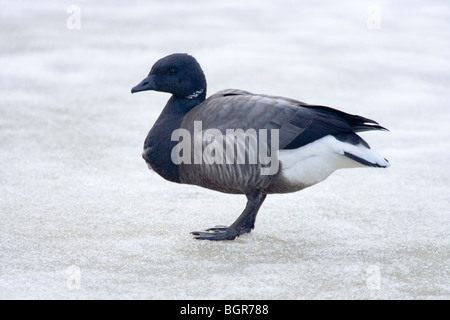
{"type": "Point", "coordinates": [299, 123]}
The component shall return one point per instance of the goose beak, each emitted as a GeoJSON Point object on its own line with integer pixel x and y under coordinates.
{"type": "Point", "coordinates": [146, 84]}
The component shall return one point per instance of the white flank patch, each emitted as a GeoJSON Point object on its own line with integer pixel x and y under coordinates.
{"type": "Point", "coordinates": [315, 161]}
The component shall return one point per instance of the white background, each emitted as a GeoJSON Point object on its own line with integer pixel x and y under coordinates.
{"type": "Point", "coordinates": [81, 216]}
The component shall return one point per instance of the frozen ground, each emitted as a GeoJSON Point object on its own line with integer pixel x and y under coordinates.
{"type": "Point", "coordinates": [82, 217]}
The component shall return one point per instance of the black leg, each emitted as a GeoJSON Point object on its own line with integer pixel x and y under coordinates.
{"type": "Point", "coordinates": [244, 224]}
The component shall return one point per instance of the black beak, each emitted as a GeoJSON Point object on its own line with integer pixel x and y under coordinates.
{"type": "Point", "coordinates": [146, 84]}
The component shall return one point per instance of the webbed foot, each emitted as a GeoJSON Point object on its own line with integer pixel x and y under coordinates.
{"type": "Point", "coordinates": [219, 233]}
{"type": "Point", "coordinates": [244, 224]}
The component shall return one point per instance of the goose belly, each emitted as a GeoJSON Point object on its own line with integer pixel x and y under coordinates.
{"type": "Point", "coordinates": [228, 178]}
{"type": "Point", "coordinates": [313, 163]}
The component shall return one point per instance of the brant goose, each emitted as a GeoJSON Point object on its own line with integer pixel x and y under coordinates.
{"type": "Point", "coordinates": [306, 142]}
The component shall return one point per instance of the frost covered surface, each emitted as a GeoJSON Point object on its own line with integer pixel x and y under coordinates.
{"type": "Point", "coordinates": [76, 195]}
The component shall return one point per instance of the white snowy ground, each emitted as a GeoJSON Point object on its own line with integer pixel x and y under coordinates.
{"type": "Point", "coordinates": [83, 218]}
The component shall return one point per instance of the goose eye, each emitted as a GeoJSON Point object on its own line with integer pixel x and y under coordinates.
{"type": "Point", "coordinates": [172, 71]}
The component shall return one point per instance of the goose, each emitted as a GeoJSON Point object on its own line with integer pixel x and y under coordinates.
{"type": "Point", "coordinates": [306, 142]}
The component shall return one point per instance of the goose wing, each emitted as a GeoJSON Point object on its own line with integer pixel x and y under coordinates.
{"type": "Point", "coordinates": [298, 123]}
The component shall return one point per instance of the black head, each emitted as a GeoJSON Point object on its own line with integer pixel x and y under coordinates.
{"type": "Point", "coordinates": [178, 74]}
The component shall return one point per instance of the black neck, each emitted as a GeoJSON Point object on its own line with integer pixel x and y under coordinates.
{"type": "Point", "coordinates": [158, 145]}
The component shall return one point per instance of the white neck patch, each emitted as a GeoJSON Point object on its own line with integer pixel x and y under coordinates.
{"type": "Point", "coordinates": [195, 94]}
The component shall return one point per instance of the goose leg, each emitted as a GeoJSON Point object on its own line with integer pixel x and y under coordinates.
{"type": "Point", "coordinates": [244, 224]}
